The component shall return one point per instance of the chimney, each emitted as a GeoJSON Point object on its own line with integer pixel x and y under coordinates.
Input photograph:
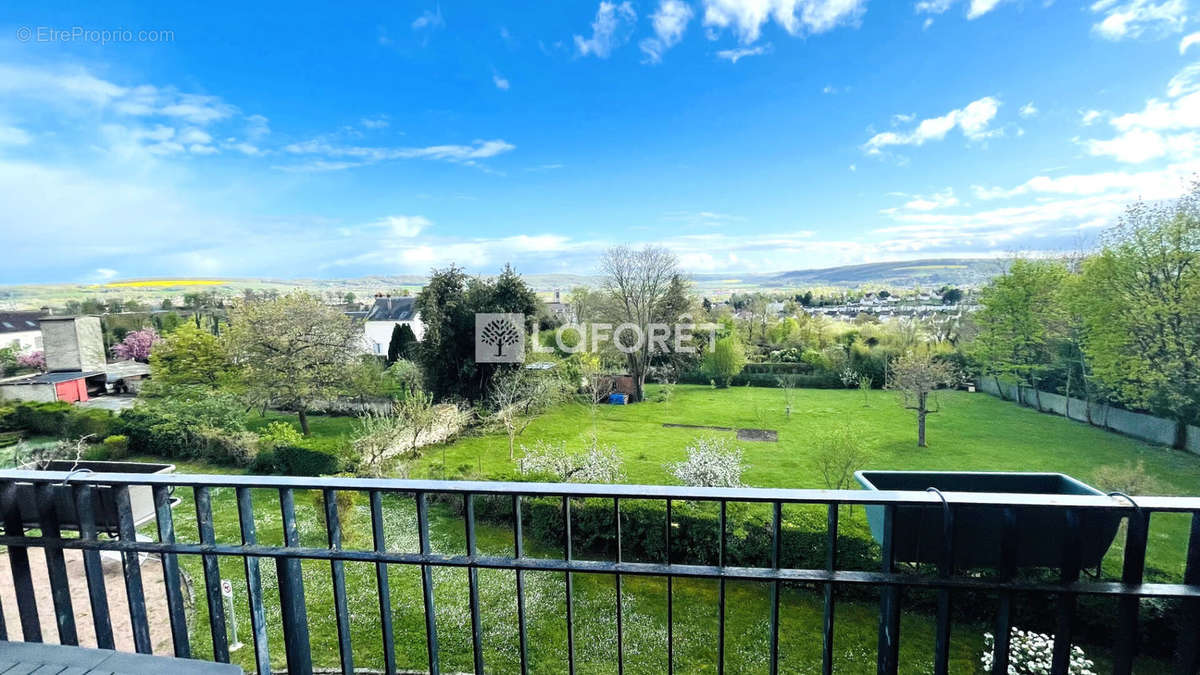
{"type": "Point", "coordinates": [48, 311]}
{"type": "Point", "coordinates": [556, 295]}
{"type": "Point", "coordinates": [73, 343]}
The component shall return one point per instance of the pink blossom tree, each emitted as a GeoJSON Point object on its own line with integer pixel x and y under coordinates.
{"type": "Point", "coordinates": [35, 360]}
{"type": "Point", "coordinates": [136, 345]}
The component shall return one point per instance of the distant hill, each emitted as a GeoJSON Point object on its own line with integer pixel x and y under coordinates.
{"type": "Point", "coordinates": [930, 272]}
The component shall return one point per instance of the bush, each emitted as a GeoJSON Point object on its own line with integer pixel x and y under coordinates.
{"type": "Point", "coordinates": [116, 446]}
{"type": "Point", "coordinates": [93, 423]}
{"type": "Point", "coordinates": [238, 448]}
{"type": "Point", "coordinates": [710, 463]}
{"type": "Point", "coordinates": [1129, 478]}
{"type": "Point", "coordinates": [297, 461]}
{"type": "Point", "coordinates": [44, 419]}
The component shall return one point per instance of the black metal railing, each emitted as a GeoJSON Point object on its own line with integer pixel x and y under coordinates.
{"type": "Point", "coordinates": [44, 510]}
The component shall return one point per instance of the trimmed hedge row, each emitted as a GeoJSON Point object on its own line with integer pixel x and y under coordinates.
{"type": "Point", "coordinates": [812, 381]}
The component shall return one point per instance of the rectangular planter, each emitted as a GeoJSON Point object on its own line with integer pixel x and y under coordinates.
{"type": "Point", "coordinates": [979, 531]}
{"type": "Point", "coordinates": [104, 507]}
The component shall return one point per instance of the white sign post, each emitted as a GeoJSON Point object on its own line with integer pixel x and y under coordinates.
{"type": "Point", "coordinates": [227, 591]}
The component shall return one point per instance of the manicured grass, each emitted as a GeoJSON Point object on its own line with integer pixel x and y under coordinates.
{"type": "Point", "coordinates": [594, 598]}
{"type": "Point", "coordinates": [326, 432]}
{"type": "Point", "coordinates": [972, 432]}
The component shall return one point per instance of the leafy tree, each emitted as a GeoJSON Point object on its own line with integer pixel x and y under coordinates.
{"type": "Point", "coordinates": [1142, 315]}
{"type": "Point", "coordinates": [951, 296]}
{"type": "Point", "coordinates": [916, 375]}
{"type": "Point", "coordinates": [448, 304]}
{"type": "Point", "coordinates": [190, 356]}
{"type": "Point", "coordinates": [136, 345]}
{"type": "Point", "coordinates": [401, 344]}
{"type": "Point", "coordinates": [725, 361]}
{"type": "Point", "coordinates": [167, 304]}
{"type": "Point", "coordinates": [839, 453]}
{"type": "Point", "coordinates": [293, 350]}
{"type": "Point", "coordinates": [1023, 314]}
{"type": "Point", "coordinates": [636, 284]}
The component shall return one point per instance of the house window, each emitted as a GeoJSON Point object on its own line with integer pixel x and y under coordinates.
{"type": "Point", "coordinates": [378, 348]}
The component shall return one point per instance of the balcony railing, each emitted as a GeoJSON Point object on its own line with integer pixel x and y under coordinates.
{"type": "Point", "coordinates": [56, 512]}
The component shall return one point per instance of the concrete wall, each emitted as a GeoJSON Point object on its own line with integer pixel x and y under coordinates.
{"type": "Point", "coordinates": [28, 392]}
{"type": "Point", "coordinates": [1140, 426]}
{"type": "Point", "coordinates": [73, 343]}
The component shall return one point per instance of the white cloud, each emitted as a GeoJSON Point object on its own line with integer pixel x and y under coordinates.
{"type": "Point", "coordinates": [13, 136]}
{"type": "Point", "coordinates": [670, 22]}
{"type": "Point", "coordinates": [194, 135]}
{"type": "Point", "coordinates": [937, 200]}
{"type": "Point", "coordinates": [610, 29]}
{"type": "Point", "coordinates": [1028, 110]}
{"type": "Point", "coordinates": [975, 8]}
{"type": "Point", "coordinates": [1163, 128]}
{"type": "Point", "coordinates": [377, 122]}
{"type": "Point", "coordinates": [739, 53]}
{"type": "Point", "coordinates": [797, 17]}
{"type": "Point", "coordinates": [1135, 18]}
{"type": "Point", "coordinates": [1088, 117]}
{"type": "Point", "coordinates": [464, 154]}
{"type": "Point", "coordinates": [1188, 41]}
{"type": "Point", "coordinates": [972, 119]}
{"type": "Point", "coordinates": [500, 82]}
{"type": "Point", "coordinates": [404, 226]}
{"type": "Point", "coordinates": [429, 20]}
{"type": "Point", "coordinates": [104, 273]}
{"type": "Point", "coordinates": [1122, 185]}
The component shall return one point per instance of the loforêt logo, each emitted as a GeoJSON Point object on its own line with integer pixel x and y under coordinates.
{"type": "Point", "coordinates": [499, 338]}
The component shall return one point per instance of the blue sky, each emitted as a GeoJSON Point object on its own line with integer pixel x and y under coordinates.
{"type": "Point", "coordinates": [748, 135]}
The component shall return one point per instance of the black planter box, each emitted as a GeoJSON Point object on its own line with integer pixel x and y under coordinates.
{"type": "Point", "coordinates": [979, 531]}
{"type": "Point", "coordinates": [104, 506]}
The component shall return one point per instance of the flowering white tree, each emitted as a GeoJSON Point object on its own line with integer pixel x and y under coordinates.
{"type": "Point", "coordinates": [1032, 653]}
{"type": "Point", "coordinates": [710, 463]}
{"type": "Point", "coordinates": [596, 464]}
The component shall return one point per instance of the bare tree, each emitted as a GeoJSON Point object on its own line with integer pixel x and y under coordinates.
{"type": "Point", "coordinates": [916, 375]}
{"type": "Point", "coordinates": [839, 454]}
{"type": "Point", "coordinates": [637, 282]}
{"type": "Point", "coordinates": [518, 396]}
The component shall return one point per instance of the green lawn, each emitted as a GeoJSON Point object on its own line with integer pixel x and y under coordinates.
{"type": "Point", "coordinates": [972, 432]}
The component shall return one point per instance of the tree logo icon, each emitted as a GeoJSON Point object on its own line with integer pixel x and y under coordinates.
{"type": "Point", "coordinates": [499, 338]}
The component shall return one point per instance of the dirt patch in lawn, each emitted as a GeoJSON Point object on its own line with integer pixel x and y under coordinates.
{"type": "Point", "coordinates": [760, 435]}
{"type": "Point", "coordinates": [671, 425]}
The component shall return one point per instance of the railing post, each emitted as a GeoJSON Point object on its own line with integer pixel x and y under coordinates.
{"type": "Point", "coordinates": [56, 565]}
{"type": "Point", "coordinates": [85, 498]}
{"type": "Point", "coordinates": [1069, 574]}
{"type": "Point", "coordinates": [293, 612]}
{"type": "Point", "coordinates": [431, 639]}
{"type": "Point", "coordinates": [382, 584]}
{"type": "Point", "coordinates": [1132, 570]}
{"type": "Point", "coordinates": [171, 578]}
{"type": "Point", "coordinates": [18, 560]}
{"type": "Point", "coordinates": [258, 622]}
{"type": "Point", "coordinates": [1188, 659]}
{"type": "Point", "coordinates": [212, 577]}
{"type": "Point", "coordinates": [337, 576]}
{"type": "Point", "coordinates": [131, 562]}
{"type": "Point", "coordinates": [827, 618]}
{"type": "Point", "coordinates": [888, 658]}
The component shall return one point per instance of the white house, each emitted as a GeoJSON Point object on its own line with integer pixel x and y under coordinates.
{"type": "Point", "coordinates": [21, 330]}
{"type": "Point", "coordinates": [384, 316]}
